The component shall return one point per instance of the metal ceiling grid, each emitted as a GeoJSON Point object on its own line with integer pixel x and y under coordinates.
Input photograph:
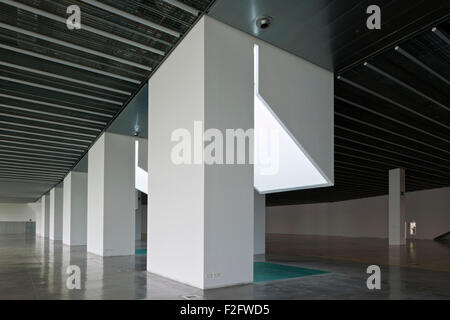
{"type": "Point", "coordinates": [60, 88]}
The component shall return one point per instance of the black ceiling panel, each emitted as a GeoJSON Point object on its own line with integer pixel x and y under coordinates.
{"type": "Point", "coordinates": [391, 112]}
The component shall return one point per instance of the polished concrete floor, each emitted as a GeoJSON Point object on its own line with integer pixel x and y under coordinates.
{"type": "Point", "coordinates": [35, 268]}
{"type": "Point", "coordinates": [423, 254]}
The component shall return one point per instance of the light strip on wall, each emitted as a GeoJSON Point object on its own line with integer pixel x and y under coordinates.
{"type": "Point", "coordinates": [141, 176]}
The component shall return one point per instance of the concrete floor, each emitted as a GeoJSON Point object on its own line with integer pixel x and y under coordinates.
{"type": "Point", "coordinates": [34, 268]}
{"type": "Point", "coordinates": [423, 254]}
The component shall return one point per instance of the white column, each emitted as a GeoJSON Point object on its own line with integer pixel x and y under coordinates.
{"type": "Point", "coordinates": [397, 221]}
{"type": "Point", "coordinates": [39, 217]}
{"type": "Point", "coordinates": [75, 209]}
{"type": "Point", "coordinates": [111, 191]}
{"type": "Point", "coordinates": [200, 217]}
{"type": "Point", "coordinates": [45, 216]}
{"type": "Point", "coordinates": [56, 212]}
{"type": "Point", "coordinates": [259, 242]}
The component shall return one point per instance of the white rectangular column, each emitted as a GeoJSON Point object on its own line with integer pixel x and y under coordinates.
{"type": "Point", "coordinates": [200, 217]}
{"type": "Point", "coordinates": [111, 191]}
{"type": "Point", "coordinates": [56, 212]}
{"type": "Point", "coordinates": [397, 220]}
{"type": "Point", "coordinates": [75, 209]}
{"type": "Point", "coordinates": [260, 224]}
{"type": "Point", "coordinates": [45, 216]}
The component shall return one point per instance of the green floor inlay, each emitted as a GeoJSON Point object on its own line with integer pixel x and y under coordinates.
{"type": "Point", "coordinates": [140, 252]}
{"type": "Point", "coordinates": [265, 271]}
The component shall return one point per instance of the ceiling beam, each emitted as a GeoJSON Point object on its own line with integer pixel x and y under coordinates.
{"type": "Point", "coordinates": [40, 150]}
{"type": "Point", "coordinates": [42, 145]}
{"type": "Point", "coordinates": [69, 64]}
{"type": "Point", "coordinates": [390, 118]}
{"type": "Point", "coordinates": [416, 61]}
{"type": "Point", "coordinates": [183, 6]}
{"type": "Point", "coordinates": [69, 79]}
{"type": "Point", "coordinates": [74, 46]}
{"type": "Point", "coordinates": [389, 131]}
{"type": "Point", "coordinates": [131, 17]}
{"type": "Point", "coordinates": [41, 86]}
{"type": "Point", "coordinates": [403, 84]}
{"type": "Point", "coordinates": [399, 105]}
{"type": "Point", "coordinates": [442, 36]}
{"type": "Point", "coordinates": [85, 27]}
{"type": "Point", "coordinates": [390, 142]}
{"type": "Point", "coordinates": [55, 123]}
{"type": "Point", "coordinates": [53, 114]}
{"type": "Point", "coordinates": [13, 154]}
{"type": "Point", "coordinates": [77, 109]}
{"type": "Point", "coordinates": [26, 137]}
{"type": "Point", "coordinates": [15, 124]}
{"type": "Point", "coordinates": [390, 151]}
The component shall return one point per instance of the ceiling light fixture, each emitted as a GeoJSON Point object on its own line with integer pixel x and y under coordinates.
{"type": "Point", "coordinates": [264, 22]}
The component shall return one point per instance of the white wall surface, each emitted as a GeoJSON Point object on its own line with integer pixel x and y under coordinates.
{"type": "Point", "coordinates": [200, 221]}
{"type": "Point", "coordinates": [229, 103]}
{"type": "Point", "coordinates": [366, 217]}
{"type": "Point", "coordinates": [16, 227]}
{"type": "Point", "coordinates": [56, 213]}
{"type": "Point", "coordinates": [19, 211]}
{"type": "Point", "coordinates": [119, 195]}
{"type": "Point", "coordinates": [45, 216]}
{"type": "Point", "coordinates": [95, 203]}
{"type": "Point", "coordinates": [396, 207]}
{"type": "Point", "coordinates": [302, 96]}
{"type": "Point", "coordinates": [259, 236]}
{"type": "Point", "coordinates": [75, 209]}
{"type": "Point", "coordinates": [111, 203]}
{"type": "Point", "coordinates": [176, 204]}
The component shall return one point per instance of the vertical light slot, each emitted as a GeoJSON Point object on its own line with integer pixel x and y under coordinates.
{"type": "Point", "coordinates": [141, 176]}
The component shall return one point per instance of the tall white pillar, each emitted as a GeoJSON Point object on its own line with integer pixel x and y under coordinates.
{"type": "Point", "coordinates": [56, 212]}
{"type": "Point", "coordinates": [111, 191]}
{"type": "Point", "coordinates": [259, 242]}
{"type": "Point", "coordinates": [200, 216]}
{"type": "Point", "coordinates": [75, 209]}
{"type": "Point", "coordinates": [45, 215]}
{"type": "Point", "coordinates": [397, 220]}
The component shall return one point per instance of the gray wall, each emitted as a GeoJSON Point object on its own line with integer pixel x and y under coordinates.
{"type": "Point", "coordinates": [259, 223]}
{"type": "Point", "coordinates": [17, 227]}
{"type": "Point", "coordinates": [368, 217]}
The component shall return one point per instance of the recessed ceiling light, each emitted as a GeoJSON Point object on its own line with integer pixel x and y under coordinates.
{"type": "Point", "coordinates": [264, 22]}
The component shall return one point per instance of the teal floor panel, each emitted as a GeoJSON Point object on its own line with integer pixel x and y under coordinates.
{"type": "Point", "coordinates": [266, 271]}
{"type": "Point", "coordinates": [140, 252]}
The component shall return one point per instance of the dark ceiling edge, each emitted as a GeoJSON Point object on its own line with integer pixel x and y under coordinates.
{"type": "Point", "coordinates": [142, 85]}
{"type": "Point", "coordinates": [374, 195]}
{"type": "Point", "coordinates": [392, 44]}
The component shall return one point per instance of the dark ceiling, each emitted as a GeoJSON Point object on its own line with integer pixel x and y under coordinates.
{"type": "Point", "coordinates": [60, 88]}
{"type": "Point", "coordinates": [391, 112]}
